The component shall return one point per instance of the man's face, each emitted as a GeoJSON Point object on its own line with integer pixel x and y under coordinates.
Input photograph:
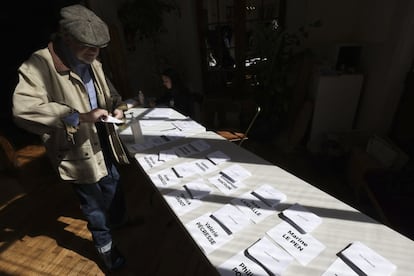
{"type": "Point", "coordinates": [166, 81]}
{"type": "Point", "coordinates": [86, 54]}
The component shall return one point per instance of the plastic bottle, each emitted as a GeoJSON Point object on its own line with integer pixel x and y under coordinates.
{"type": "Point", "coordinates": [141, 98]}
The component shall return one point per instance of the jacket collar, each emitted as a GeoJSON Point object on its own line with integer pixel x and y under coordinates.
{"type": "Point", "coordinates": [59, 64]}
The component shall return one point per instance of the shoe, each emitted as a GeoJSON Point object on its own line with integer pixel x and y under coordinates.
{"type": "Point", "coordinates": [113, 259]}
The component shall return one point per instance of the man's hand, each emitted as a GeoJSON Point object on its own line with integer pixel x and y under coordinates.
{"type": "Point", "coordinates": [93, 116]}
{"type": "Point", "coordinates": [118, 113]}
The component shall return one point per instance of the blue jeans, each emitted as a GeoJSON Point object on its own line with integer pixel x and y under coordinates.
{"type": "Point", "coordinates": [102, 204]}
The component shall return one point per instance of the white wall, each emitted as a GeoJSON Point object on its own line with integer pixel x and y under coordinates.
{"type": "Point", "coordinates": [387, 61]}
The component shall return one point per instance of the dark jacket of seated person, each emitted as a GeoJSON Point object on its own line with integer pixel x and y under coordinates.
{"type": "Point", "coordinates": [176, 94]}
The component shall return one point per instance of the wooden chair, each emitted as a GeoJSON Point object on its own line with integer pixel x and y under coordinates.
{"type": "Point", "coordinates": [236, 136]}
{"type": "Point", "coordinates": [15, 159]}
{"type": "Point", "coordinates": [28, 164]}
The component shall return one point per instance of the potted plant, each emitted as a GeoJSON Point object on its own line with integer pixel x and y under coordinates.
{"type": "Point", "coordinates": [144, 18]}
{"type": "Point", "coordinates": [277, 49]}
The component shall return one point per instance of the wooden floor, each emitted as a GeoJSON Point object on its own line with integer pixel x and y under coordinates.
{"type": "Point", "coordinates": [43, 232]}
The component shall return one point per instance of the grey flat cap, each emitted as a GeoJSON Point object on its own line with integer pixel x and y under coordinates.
{"type": "Point", "coordinates": [85, 26]}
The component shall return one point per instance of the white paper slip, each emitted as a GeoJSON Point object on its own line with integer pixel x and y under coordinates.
{"type": "Point", "coordinates": [197, 189]}
{"type": "Point", "coordinates": [269, 256]}
{"type": "Point", "coordinates": [200, 145]}
{"type": "Point", "coordinates": [303, 247]}
{"type": "Point", "coordinates": [240, 265]}
{"type": "Point", "coordinates": [142, 146]}
{"type": "Point", "coordinates": [366, 260]}
{"type": "Point", "coordinates": [230, 179]}
{"type": "Point", "coordinates": [207, 233]}
{"type": "Point", "coordinates": [165, 178]}
{"type": "Point", "coordinates": [302, 218]}
{"type": "Point", "coordinates": [252, 207]}
{"type": "Point", "coordinates": [185, 150]}
{"type": "Point", "coordinates": [111, 120]}
{"type": "Point", "coordinates": [158, 140]}
{"type": "Point", "coordinates": [188, 125]}
{"type": "Point", "coordinates": [149, 161]}
{"type": "Point", "coordinates": [269, 195]}
{"type": "Point", "coordinates": [231, 218]}
{"type": "Point", "coordinates": [224, 184]}
{"type": "Point", "coordinates": [204, 166]}
{"type": "Point", "coordinates": [339, 268]}
{"type": "Point", "coordinates": [235, 173]}
{"type": "Point", "coordinates": [185, 169]}
{"type": "Point", "coordinates": [159, 113]}
{"type": "Point", "coordinates": [167, 155]}
{"type": "Point", "coordinates": [218, 157]}
{"type": "Point", "coordinates": [181, 201]}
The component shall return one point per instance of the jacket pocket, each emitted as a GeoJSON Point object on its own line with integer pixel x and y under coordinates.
{"type": "Point", "coordinates": [79, 165]}
{"type": "Point", "coordinates": [77, 153]}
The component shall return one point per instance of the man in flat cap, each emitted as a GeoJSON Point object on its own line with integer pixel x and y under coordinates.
{"type": "Point", "coordinates": [63, 95]}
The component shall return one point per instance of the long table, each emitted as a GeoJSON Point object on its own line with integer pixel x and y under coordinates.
{"type": "Point", "coordinates": [341, 224]}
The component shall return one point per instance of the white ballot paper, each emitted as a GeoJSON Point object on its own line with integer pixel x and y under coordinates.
{"type": "Point", "coordinates": [204, 166]}
{"type": "Point", "coordinates": [191, 148]}
{"type": "Point", "coordinates": [185, 169]}
{"type": "Point", "coordinates": [263, 258]}
{"type": "Point", "coordinates": [303, 247]}
{"type": "Point", "coordinates": [188, 125]}
{"type": "Point", "coordinates": [141, 146]}
{"type": "Point", "coordinates": [260, 203]}
{"type": "Point", "coordinates": [230, 179]}
{"type": "Point", "coordinates": [112, 120]}
{"type": "Point", "coordinates": [197, 189]}
{"type": "Point", "coordinates": [149, 161]}
{"type": "Point", "coordinates": [167, 155]}
{"type": "Point", "coordinates": [200, 145]}
{"type": "Point", "coordinates": [361, 257]}
{"type": "Point", "coordinates": [207, 233]}
{"type": "Point", "coordinates": [159, 113]}
{"type": "Point", "coordinates": [165, 178]}
{"type": "Point", "coordinates": [302, 218]}
{"type": "Point", "coordinates": [188, 197]}
{"type": "Point", "coordinates": [231, 218]}
{"type": "Point", "coordinates": [339, 268]}
{"type": "Point", "coordinates": [240, 265]}
{"type": "Point", "coordinates": [218, 157]}
{"type": "Point", "coordinates": [268, 255]}
{"type": "Point", "coordinates": [158, 140]}
{"type": "Point", "coordinates": [185, 150]}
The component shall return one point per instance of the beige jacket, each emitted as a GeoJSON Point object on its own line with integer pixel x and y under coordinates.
{"type": "Point", "coordinates": [46, 93]}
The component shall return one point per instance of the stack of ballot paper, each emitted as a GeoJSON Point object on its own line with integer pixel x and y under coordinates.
{"type": "Point", "coordinates": [301, 218]}
{"type": "Point", "coordinates": [230, 179]}
{"type": "Point", "coordinates": [263, 258]}
{"type": "Point", "coordinates": [188, 197]}
{"type": "Point", "coordinates": [218, 157]}
{"type": "Point", "coordinates": [363, 259]}
{"type": "Point", "coordinates": [260, 203]}
{"type": "Point", "coordinates": [303, 247]}
{"type": "Point", "coordinates": [212, 230]}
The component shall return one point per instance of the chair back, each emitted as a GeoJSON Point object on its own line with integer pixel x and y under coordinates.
{"type": "Point", "coordinates": [250, 125]}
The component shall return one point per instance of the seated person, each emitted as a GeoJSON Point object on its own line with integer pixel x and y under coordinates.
{"type": "Point", "coordinates": [176, 94]}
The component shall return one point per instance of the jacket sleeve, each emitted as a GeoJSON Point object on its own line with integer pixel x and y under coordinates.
{"type": "Point", "coordinates": [32, 109]}
{"type": "Point", "coordinates": [116, 99]}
